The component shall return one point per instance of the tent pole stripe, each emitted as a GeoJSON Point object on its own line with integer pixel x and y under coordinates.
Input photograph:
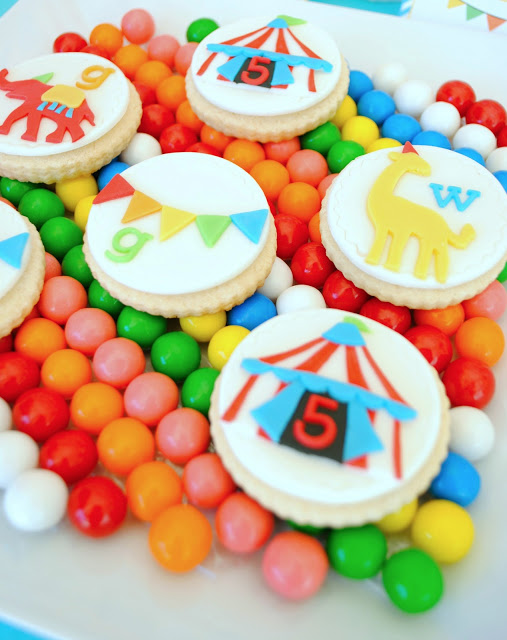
{"type": "Point", "coordinates": [258, 42]}
{"type": "Point", "coordinates": [355, 376]}
{"type": "Point", "coordinates": [210, 58]}
{"type": "Point", "coordinates": [277, 357]}
{"type": "Point", "coordinates": [311, 54]}
{"type": "Point", "coordinates": [281, 47]}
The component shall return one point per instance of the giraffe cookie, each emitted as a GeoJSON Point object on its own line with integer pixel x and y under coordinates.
{"type": "Point", "coordinates": [423, 227]}
{"type": "Point", "coordinates": [64, 115]}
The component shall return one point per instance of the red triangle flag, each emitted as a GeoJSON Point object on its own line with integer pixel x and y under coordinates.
{"type": "Point", "coordinates": [494, 22]}
{"type": "Point", "coordinates": [117, 188]}
{"type": "Point", "coordinates": [408, 148]}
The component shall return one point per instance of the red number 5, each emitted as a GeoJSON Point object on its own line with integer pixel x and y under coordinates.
{"type": "Point", "coordinates": [311, 415]}
{"type": "Point", "coordinates": [256, 65]}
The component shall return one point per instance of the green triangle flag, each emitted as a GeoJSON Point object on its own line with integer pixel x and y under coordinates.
{"type": "Point", "coordinates": [211, 228]}
{"type": "Point", "coordinates": [292, 22]}
{"type": "Point", "coordinates": [358, 323]}
{"type": "Point", "coordinates": [472, 12]}
{"type": "Point", "coordinates": [45, 77]}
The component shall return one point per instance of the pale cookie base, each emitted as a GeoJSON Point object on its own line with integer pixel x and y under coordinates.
{"type": "Point", "coordinates": [81, 161]}
{"type": "Point", "coordinates": [289, 507]}
{"type": "Point", "coordinates": [268, 128]}
{"type": "Point", "coordinates": [17, 303]}
{"type": "Point", "coordinates": [222, 297]}
{"type": "Point", "coordinates": [395, 293]}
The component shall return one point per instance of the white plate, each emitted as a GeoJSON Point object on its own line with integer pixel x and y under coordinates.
{"type": "Point", "coordinates": [67, 586]}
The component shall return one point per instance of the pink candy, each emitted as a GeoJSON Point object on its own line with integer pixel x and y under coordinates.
{"type": "Point", "coordinates": [490, 303]}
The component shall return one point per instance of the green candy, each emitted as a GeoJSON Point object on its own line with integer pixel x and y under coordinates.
{"type": "Point", "coordinates": [75, 266]}
{"type": "Point", "coordinates": [322, 138]}
{"type": "Point", "coordinates": [199, 29]}
{"type": "Point", "coordinates": [413, 580]}
{"type": "Point", "coordinates": [99, 298]}
{"type": "Point", "coordinates": [14, 190]}
{"type": "Point", "coordinates": [197, 389]}
{"type": "Point", "coordinates": [357, 552]}
{"type": "Point", "coordinates": [176, 354]}
{"type": "Point", "coordinates": [59, 236]}
{"type": "Point", "coordinates": [141, 327]}
{"type": "Point", "coordinates": [341, 153]}
{"type": "Point", "coordinates": [40, 205]}
{"type": "Point", "coordinates": [306, 528]}
{"type": "Point", "coordinates": [502, 276]}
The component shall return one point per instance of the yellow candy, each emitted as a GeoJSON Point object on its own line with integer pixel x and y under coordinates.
{"type": "Point", "coordinates": [347, 110]}
{"type": "Point", "coordinates": [203, 328]}
{"type": "Point", "coordinates": [223, 343]}
{"type": "Point", "coordinates": [399, 520]}
{"type": "Point", "coordinates": [360, 129]}
{"type": "Point", "coordinates": [383, 143]}
{"type": "Point", "coordinates": [73, 190]}
{"type": "Point", "coordinates": [82, 211]}
{"type": "Point", "coordinates": [444, 530]}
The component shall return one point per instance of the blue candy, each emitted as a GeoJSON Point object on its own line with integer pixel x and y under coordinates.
{"type": "Point", "coordinates": [472, 154]}
{"type": "Point", "coordinates": [377, 105]}
{"type": "Point", "coordinates": [432, 139]}
{"type": "Point", "coordinates": [107, 173]}
{"type": "Point", "coordinates": [359, 83]}
{"type": "Point", "coordinates": [501, 176]}
{"type": "Point", "coordinates": [253, 312]}
{"type": "Point", "coordinates": [401, 127]}
{"type": "Point", "coordinates": [457, 481]}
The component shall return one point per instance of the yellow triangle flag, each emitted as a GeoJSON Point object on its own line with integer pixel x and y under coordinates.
{"type": "Point", "coordinates": [173, 221]}
{"type": "Point", "coordinates": [454, 3]}
{"type": "Point", "coordinates": [141, 205]}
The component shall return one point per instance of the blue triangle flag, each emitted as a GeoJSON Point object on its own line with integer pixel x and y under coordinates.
{"type": "Point", "coordinates": [345, 333]}
{"type": "Point", "coordinates": [274, 415]}
{"type": "Point", "coordinates": [230, 68]}
{"type": "Point", "coordinates": [281, 74]}
{"type": "Point", "coordinates": [360, 438]}
{"type": "Point", "coordinates": [251, 223]}
{"type": "Point", "coordinates": [12, 249]}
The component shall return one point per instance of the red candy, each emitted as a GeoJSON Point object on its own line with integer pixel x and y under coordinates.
{"type": "Point", "coordinates": [206, 482]}
{"type": "Point", "coordinates": [340, 293]}
{"type": "Point", "coordinates": [96, 51]}
{"type": "Point", "coordinates": [40, 413]}
{"type": "Point", "coordinates": [155, 119]}
{"type": "Point", "coordinates": [17, 375]}
{"type": "Point", "coordinates": [242, 524]}
{"type": "Point", "coordinates": [177, 138]}
{"type": "Point", "coordinates": [291, 233]}
{"type": "Point", "coordinates": [458, 93]}
{"type": "Point", "coordinates": [397, 318]}
{"type": "Point", "coordinates": [310, 265]}
{"type": "Point", "coordinates": [501, 140]}
{"type": "Point", "coordinates": [202, 147]}
{"type": "Point", "coordinates": [71, 454]}
{"type": "Point", "coordinates": [434, 345]}
{"type": "Point", "coordinates": [6, 343]}
{"type": "Point", "coordinates": [97, 507]}
{"type": "Point", "coordinates": [147, 95]}
{"type": "Point", "coordinates": [489, 113]}
{"type": "Point", "coordinates": [69, 42]}
{"type": "Point", "coordinates": [469, 382]}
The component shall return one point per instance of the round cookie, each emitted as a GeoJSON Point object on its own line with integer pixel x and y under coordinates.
{"type": "Point", "coordinates": [181, 234]}
{"type": "Point", "coordinates": [22, 267]}
{"type": "Point", "coordinates": [267, 80]}
{"type": "Point", "coordinates": [421, 226]}
{"type": "Point", "coordinates": [64, 115]}
{"type": "Point", "coordinates": [314, 419]}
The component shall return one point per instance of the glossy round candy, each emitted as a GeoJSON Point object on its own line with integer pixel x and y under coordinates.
{"type": "Point", "coordinates": [38, 338]}
{"type": "Point", "coordinates": [66, 371]}
{"type": "Point", "coordinates": [376, 105]}
{"type": "Point", "coordinates": [163, 48]}
{"type": "Point", "coordinates": [489, 113]}
{"type": "Point", "coordinates": [362, 130]}
{"type": "Point", "coordinates": [291, 233]}
{"type": "Point", "coordinates": [97, 507]}
{"type": "Point", "coordinates": [151, 488]}
{"type": "Point", "coordinates": [118, 361]}
{"type": "Point", "coordinates": [68, 42]}
{"type": "Point", "coordinates": [155, 119]}
{"type": "Point", "coordinates": [311, 266]}
{"type": "Point", "coordinates": [242, 524]}
{"type": "Point", "coordinates": [217, 139]}
{"type": "Point", "coordinates": [307, 166]}
{"type": "Point", "coordinates": [40, 413]}
{"type": "Point", "coordinates": [182, 434]}
{"type": "Point", "coordinates": [340, 293]}
{"type": "Point", "coordinates": [359, 84]}
{"type": "Point", "coordinates": [183, 57]}
{"type": "Point", "coordinates": [223, 343]}
{"type": "Point", "coordinates": [457, 480]}
{"type": "Point", "coordinates": [432, 139]}
{"type": "Point", "coordinates": [176, 355]}
{"type": "Point", "coordinates": [413, 97]}
{"type": "Point", "coordinates": [5, 416]}
{"type": "Point", "coordinates": [53, 267]}
{"type": "Point", "coordinates": [18, 453]}
{"type": "Point", "coordinates": [434, 345]}
{"type": "Point", "coordinates": [14, 190]}
{"type": "Point", "coordinates": [469, 382]}
{"type": "Point", "coordinates": [245, 153]}
{"type": "Point", "coordinates": [177, 138]}
{"type": "Point", "coordinates": [444, 530]}
{"type": "Point", "coordinates": [149, 397]}
{"type": "Point", "coordinates": [458, 93]}
{"type": "Point", "coordinates": [40, 205]}
{"type": "Point", "coordinates": [448, 320]}
{"type": "Point", "coordinates": [6, 342]}
{"type": "Point", "coordinates": [199, 29]}
{"type": "Point", "coordinates": [88, 328]}
{"type": "Point", "coordinates": [140, 148]}
{"type": "Point", "coordinates": [60, 298]}
{"type": "Point", "coordinates": [501, 140]}
{"type": "Point", "coordinates": [206, 482]}
{"type": "Point", "coordinates": [124, 444]}
{"type": "Point", "coordinates": [389, 76]}
{"type": "Point", "coordinates": [197, 389]}
{"type": "Point", "coordinates": [401, 127]}
{"type": "Point", "coordinates": [279, 279]}
{"type": "Point", "coordinates": [129, 58]}
{"type": "Point", "coordinates": [180, 538]}
{"type": "Point", "coordinates": [497, 160]}
{"type": "Point", "coordinates": [75, 266]}
{"type": "Point", "coordinates": [300, 200]}
{"type": "Point", "coordinates": [383, 143]}
{"type": "Point", "coordinates": [476, 137]}
{"type": "Point", "coordinates": [95, 405]}
{"type": "Point", "coordinates": [322, 138]}
{"type": "Point", "coordinates": [107, 37]}
{"type": "Point", "coordinates": [72, 454]}
{"type": "Point", "coordinates": [482, 339]}
{"type": "Point", "coordinates": [72, 190]}
{"type": "Point", "coordinates": [342, 153]}
{"type": "Point", "coordinates": [203, 328]}
{"type": "Point", "coordinates": [399, 520]}
{"type": "Point", "coordinates": [357, 552]}
{"type": "Point", "coordinates": [306, 528]}
{"type": "Point", "coordinates": [472, 433]}
{"type": "Point", "coordinates": [271, 176]}
{"type": "Point", "coordinates": [325, 183]}
{"type": "Point", "coordinates": [490, 303]}
{"type": "Point", "coordinates": [109, 171]}
{"type": "Point", "coordinates": [138, 26]}
{"type": "Point", "coordinates": [442, 117]}
{"type": "Point", "coordinates": [299, 298]}
{"type": "Point", "coordinates": [99, 298]}
{"type": "Point", "coordinates": [18, 373]}
{"type": "Point", "coordinates": [171, 93]}
{"type": "Point", "coordinates": [346, 110]}
{"type": "Point", "coordinates": [294, 565]}
{"type": "Point", "coordinates": [186, 116]}
{"type": "Point", "coordinates": [412, 580]}
{"type": "Point", "coordinates": [472, 154]}
{"type": "Point", "coordinates": [141, 327]}
{"type": "Point", "coordinates": [501, 176]}
{"type": "Point", "coordinates": [395, 317]}
{"type": "Point", "coordinates": [252, 312]}
{"type": "Point", "coordinates": [152, 73]}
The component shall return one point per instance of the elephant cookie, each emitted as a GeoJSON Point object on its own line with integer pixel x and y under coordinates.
{"type": "Point", "coordinates": [22, 268]}
{"type": "Point", "coordinates": [64, 115]}
{"type": "Point", "coordinates": [315, 419]}
{"type": "Point", "coordinates": [181, 234]}
{"type": "Point", "coordinates": [423, 226]}
{"type": "Point", "coordinates": [267, 79]}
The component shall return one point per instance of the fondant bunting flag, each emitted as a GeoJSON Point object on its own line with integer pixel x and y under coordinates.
{"type": "Point", "coordinates": [172, 221]}
{"type": "Point", "coordinates": [12, 249]}
{"type": "Point", "coordinates": [250, 223]}
{"type": "Point", "coordinates": [472, 12]}
{"type": "Point", "coordinates": [211, 228]}
{"type": "Point", "coordinates": [141, 205]}
{"type": "Point", "coordinates": [45, 77]}
{"type": "Point", "coordinates": [117, 188]}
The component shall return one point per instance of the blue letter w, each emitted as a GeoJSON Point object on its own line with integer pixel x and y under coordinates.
{"type": "Point", "coordinates": [453, 194]}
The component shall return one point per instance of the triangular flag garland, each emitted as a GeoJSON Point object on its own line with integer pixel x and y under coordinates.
{"type": "Point", "coordinates": [454, 3]}
{"type": "Point", "coordinates": [45, 77]}
{"type": "Point", "coordinates": [250, 223]}
{"type": "Point", "coordinates": [173, 221]}
{"type": "Point", "coordinates": [471, 13]}
{"type": "Point", "coordinates": [140, 206]}
{"type": "Point", "coordinates": [117, 188]}
{"type": "Point", "coordinates": [494, 22]}
{"type": "Point", "coordinates": [211, 228]}
{"type": "Point", "coordinates": [12, 249]}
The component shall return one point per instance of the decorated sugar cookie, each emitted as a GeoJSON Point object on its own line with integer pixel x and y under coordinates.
{"type": "Point", "coordinates": [64, 115]}
{"type": "Point", "coordinates": [423, 227]}
{"type": "Point", "coordinates": [313, 418]}
{"type": "Point", "coordinates": [181, 234]}
{"type": "Point", "coordinates": [267, 79]}
{"type": "Point", "coordinates": [22, 266]}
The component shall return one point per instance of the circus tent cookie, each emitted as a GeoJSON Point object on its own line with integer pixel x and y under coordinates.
{"type": "Point", "coordinates": [313, 418]}
{"type": "Point", "coordinates": [22, 266]}
{"type": "Point", "coordinates": [64, 115]}
{"type": "Point", "coordinates": [181, 234]}
{"type": "Point", "coordinates": [267, 79]}
{"type": "Point", "coordinates": [423, 227]}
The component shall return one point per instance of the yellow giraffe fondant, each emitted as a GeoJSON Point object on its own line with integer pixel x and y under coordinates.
{"type": "Point", "coordinates": [400, 218]}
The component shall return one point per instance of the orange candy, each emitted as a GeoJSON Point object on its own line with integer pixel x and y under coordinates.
{"type": "Point", "coordinates": [185, 116]}
{"type": "Point", "coordinates": [282, 151]}
{"type": "Point", "coordinates": [107, 37]}
{"type": "Point", "coordinates": [152, 73]}
{"type": "Point", "coordinates": [130, 58]}
{"type": "Point", "coordinates": [215, 138]}
{"type": "Point", "coordinates": [300, 200]}
{"type": "Point", "coordinates": [39, 338]}
{"type": "Point", "coordinates": [314, 228]}
{"type": "Point", "coordinates": [244, 153]}
{"type": "Point", "coordinates": [151, 488]}
{"type": "Point", "coordinates": [124, 444]}
{"type": "Point", "coordinates": [482, 339]}
{"type": "Point", "coordinates": [448, 320]}
{"type": "Point", "coordinates": [95, 405]}
{"type": "Point", "coordinates": [180, 538]}
{"type": "Point", "coordinates": [171, 92]}
{"type": "Point", "coordinates": [61, 296]}
{"type": "Point", "coordinates": [66, 371]}
{"type": "Point", "coordinates": [271, 176]}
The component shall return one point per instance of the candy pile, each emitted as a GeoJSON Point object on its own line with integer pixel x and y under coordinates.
{"type": "Point", "coordinates": [75, 374]}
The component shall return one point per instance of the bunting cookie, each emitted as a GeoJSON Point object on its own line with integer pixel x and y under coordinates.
{"type": "Point", "coordinates": [267, 80]}
{"type": "Point", "coordinates": [314, 419]}
{"type": "Point", "coordinates": [181, 234]}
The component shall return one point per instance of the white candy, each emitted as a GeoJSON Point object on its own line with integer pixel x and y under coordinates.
{"type": "Point", "coordinates": [389, 77]}
{"type": "Point", "coordinates": [18, 453]}
{"type": "Point", "coordinates": [472, 433]}
{"type": "Point", "coordinates": [300, 297]}
{"type": "Point", "coordinates": [36, 500]}
{"type": "Point", "coordinates": [279, 279]}
{"type": "Point", "coordinates": [141, 147]}
{"type": "Point", "coordinates": [5, 416]}
{"type": "Point", "coordinates": [413, 97]}
{"type": "Point", "coordinates": [442, 117]}
{"type": "Point", "coordinates": [477, 137]}
{"type": "Point", "coordinates": [497, 160]}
